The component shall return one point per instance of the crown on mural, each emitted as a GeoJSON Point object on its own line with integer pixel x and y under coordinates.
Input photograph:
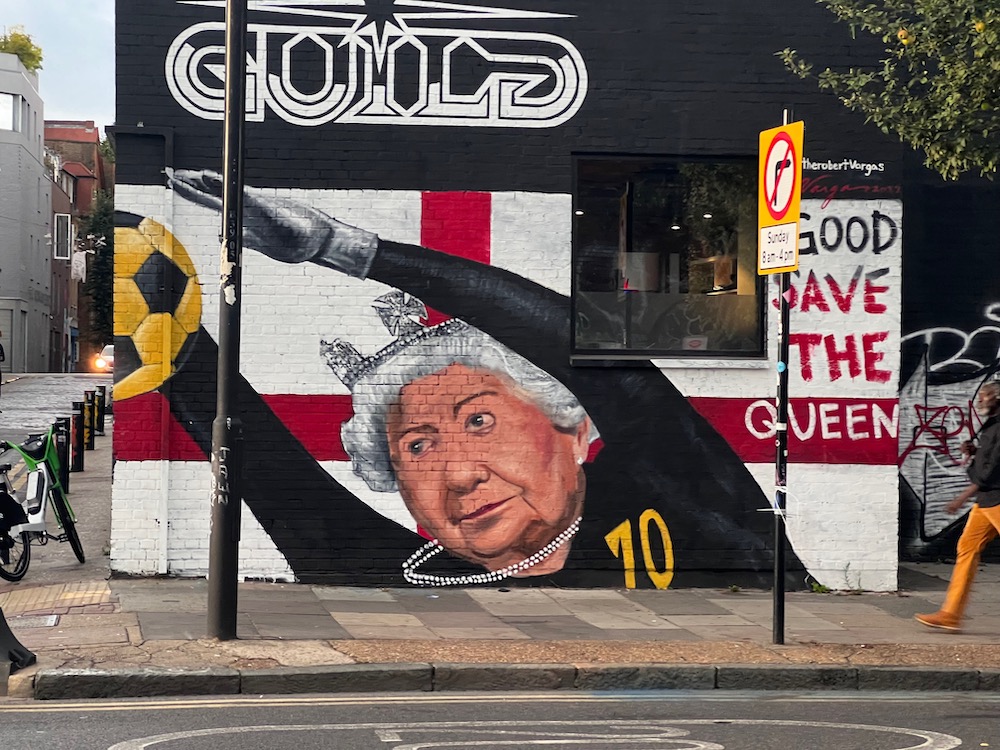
{"type": "Point", "coordinates": [401, 314]}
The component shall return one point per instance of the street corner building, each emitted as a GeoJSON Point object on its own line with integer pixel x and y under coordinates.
{"type": "Point", "coordinates": [501, 317]}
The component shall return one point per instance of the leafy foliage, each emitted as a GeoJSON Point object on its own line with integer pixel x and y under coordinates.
{"type": "Point", "coordinates": [937, 87]}
{"type": "Point", "coordinates": [98, 234]}
{"type": "Point", "coordinates": [107, 150]}
{"type": "Point", "coordinates": [18, 42]}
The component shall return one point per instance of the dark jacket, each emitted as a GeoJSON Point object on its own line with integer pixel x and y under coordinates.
{"type": "Point", "coordinates": [984, 469]}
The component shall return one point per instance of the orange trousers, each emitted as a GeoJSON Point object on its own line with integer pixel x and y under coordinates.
{"type": "Point", "coordinates": [982, 527]}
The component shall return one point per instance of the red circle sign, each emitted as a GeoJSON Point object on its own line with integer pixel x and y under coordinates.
{"type": "Point", "coordinates": [781, 175]}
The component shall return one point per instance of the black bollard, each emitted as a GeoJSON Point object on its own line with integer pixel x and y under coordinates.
{"type": "Point", "coordinates": [61, 434]}
{"type": "Point", "coordinates": [77, 442]}
{"type": "Point", "coordinates": [88, 420]}
{"type": "Point", "coordinates": [11, 649]}
{"type": "Point", "coordinates": [101, 401]}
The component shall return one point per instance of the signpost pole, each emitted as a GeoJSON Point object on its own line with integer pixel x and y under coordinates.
{"type": "Point", "coordinates": [779, 199]}
{"type": "Point", "coordinates": [781, 457]}
{"type": "Point", "coordinates": [227, 429]}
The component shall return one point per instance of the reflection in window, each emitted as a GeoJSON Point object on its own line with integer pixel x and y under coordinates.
{"type": "Point", "coordinates": [665, 260]}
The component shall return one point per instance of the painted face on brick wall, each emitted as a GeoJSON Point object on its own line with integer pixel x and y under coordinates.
{"type": "Point", "coordinates": [483, 470]}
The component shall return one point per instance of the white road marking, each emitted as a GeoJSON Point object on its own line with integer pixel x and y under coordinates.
{"type": "Point", "coordinates": [665, 732]}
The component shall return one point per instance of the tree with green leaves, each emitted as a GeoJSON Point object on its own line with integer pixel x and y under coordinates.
{"type": "Point", "coordinates": [938, 85]}
{"type": "Point", "coordinates": [107, 149]}
{"type": "Point", "coordinates": [17, 41]}
{"type": "Point", "coordinates": [97, 233]}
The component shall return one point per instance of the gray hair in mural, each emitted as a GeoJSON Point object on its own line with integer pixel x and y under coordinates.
{"type": "Point", "coordinates": [376, 381]}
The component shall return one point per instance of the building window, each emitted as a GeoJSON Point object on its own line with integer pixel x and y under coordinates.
{"type": "Point", "coordinates": [665, 259]}
{"type": "Point", "coordinates": [10, 112]}
{"type": "Point", "coordinates": [63, 237]}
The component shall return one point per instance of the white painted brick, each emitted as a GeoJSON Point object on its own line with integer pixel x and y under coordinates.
{"type": "Point", "coordinates": [842, 519]}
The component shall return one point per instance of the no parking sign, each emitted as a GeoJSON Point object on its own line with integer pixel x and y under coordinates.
{"type": "Point", "coordinates": [779, 196]}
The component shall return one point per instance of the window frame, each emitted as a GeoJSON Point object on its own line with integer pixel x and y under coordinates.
{"type": "Point", "coordinates": [55, 236]}
{"type": "Point", "coordinates": [11, 124]}
{"type": "Point", "coordinates": [665, 357]}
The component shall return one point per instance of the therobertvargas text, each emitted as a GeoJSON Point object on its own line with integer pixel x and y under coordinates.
{"type": "Point", "coordinates": [841, 166]}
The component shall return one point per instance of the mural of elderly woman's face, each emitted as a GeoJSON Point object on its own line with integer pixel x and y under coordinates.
{"type": "Point", "coordinates": [482, 469]}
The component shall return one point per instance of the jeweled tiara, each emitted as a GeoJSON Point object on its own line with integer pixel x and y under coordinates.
{"type": "Point", "coordinates": [401, 314]}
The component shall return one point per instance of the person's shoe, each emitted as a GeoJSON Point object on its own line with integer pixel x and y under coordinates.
{"type": "Point", "coordinates": [940, 621]}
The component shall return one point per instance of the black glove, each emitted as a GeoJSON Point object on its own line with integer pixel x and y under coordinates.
{"type": "Point", "coordinates": [282, 228]}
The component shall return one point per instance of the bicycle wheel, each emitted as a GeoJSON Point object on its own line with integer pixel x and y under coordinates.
{"type": "Point", "coordinates": [61, 507]}
{"type": "Point", "coordinates": [15, 554]}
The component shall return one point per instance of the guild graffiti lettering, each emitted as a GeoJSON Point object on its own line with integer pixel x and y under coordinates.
{"type": "Point", "coordinates": [408, 62]}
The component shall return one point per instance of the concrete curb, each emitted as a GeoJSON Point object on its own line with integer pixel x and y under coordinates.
{"type": "Point", "coordinates": [63, 684]}
{"type": "Point", "coordinates": [147, 682]}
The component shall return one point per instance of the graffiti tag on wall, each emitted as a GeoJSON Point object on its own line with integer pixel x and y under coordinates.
{"type": "Point", "coordinates": [937, 415]}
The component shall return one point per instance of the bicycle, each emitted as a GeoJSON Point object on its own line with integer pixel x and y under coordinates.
{"type": "Point", "coordinates": [22, 516]}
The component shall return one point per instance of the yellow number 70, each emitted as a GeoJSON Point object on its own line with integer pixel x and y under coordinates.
{"type": "Point", "coordinates": [619, 540]}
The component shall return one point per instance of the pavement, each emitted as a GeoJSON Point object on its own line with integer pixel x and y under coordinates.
{"type": "Point", "coordinates": [98, 637]}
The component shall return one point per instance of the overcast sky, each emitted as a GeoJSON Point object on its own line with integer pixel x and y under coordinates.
{"type": "Point", "coordinates": [77, 38]}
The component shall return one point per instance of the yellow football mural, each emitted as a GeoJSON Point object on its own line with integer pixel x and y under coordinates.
{"type": "Point", "coordinates": [157, 305]}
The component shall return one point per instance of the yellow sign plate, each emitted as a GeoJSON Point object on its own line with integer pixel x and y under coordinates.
{"type": "Point", "coordinates": [778, 198]}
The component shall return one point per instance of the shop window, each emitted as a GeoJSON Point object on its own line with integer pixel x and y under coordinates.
{"type": "Point", "coordinates": [63, 237]}
{"type": "Point", "coordinates": [665, 259]}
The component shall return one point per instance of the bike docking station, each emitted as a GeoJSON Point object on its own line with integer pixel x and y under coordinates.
{"type": "Point", "coordinates": [35, 475]}
{"type": "Point", "coordinates": [40, 479]}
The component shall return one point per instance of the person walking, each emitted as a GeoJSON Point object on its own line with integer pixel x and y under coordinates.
{"type": "Point", "coordinates": [983, 524]}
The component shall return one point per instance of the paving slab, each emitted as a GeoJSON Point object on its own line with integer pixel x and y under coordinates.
{"type": "Point", "coordinates": [669, 603]}
{"type": "Point", "coordinates": [364, 606]}
{"type": "Point", "coordinates": [186, 626]}
{"type": "Point", "coordinates": [35, 639]}
{"type": "Point", "coordinates": [293, 626]}
{"type": "Point", "coordinates": [517, 602]}
{"type": "Point", "coordinates": [419, 601]}
{"type": "Point", "coordinates": [351, 594]}
{"type": "Point", "coordinates": [556, 627]}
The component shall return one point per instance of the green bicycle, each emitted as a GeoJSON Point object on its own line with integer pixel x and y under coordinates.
{"type": "Point", "coordinates": [22, 514]}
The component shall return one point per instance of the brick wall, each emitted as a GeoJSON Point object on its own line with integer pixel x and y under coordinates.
{"type": "Point", "coordinates": [657, 81]}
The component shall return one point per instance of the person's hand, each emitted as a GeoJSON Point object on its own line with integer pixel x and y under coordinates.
{"type": "Point", "coordinates": [284, 229]}
{"type": "Point", "coordinates": [967, 448]}
{"type": "Point", "coordinates": [955, 505]}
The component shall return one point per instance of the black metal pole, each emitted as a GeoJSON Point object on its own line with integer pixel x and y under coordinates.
{"type": "Point", "coordinates": [62, 427]}
{"type": "Point", "coordinates": [781, 457]}
{"type": "Point", "coordinates": [11, 649]}
{"type": "Point", "coordinates": [101, 400]}
{"type": "Point", "coordinates": [77, 441]}
{"type": "Point", "coordinates": [223, 556]}
{"type": "Point", "coordinates": [89, 412]}
{"type": "Point", "coordinates": [781, 464]}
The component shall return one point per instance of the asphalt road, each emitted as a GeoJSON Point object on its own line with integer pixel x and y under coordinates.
{"type": "Point", "coordinates": [495, 721]}
{"type": "Point", "coordinates": [30, 404]}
